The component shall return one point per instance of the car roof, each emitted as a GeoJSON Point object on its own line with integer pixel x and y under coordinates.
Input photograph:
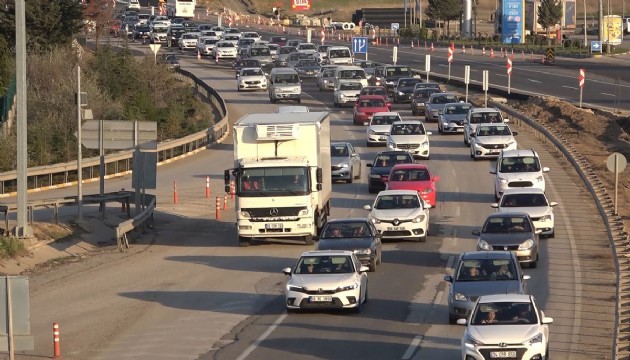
{"type": "Point", "coordinates": [410, 166]}
{"type": "Point", "coordinates": [279, 70]}
{"type": "Point", "coordinates": [476, 110]}
{"type": "Point", "coordinates": [346, 220]}
{"type": "Point", "coordinates": [493, 124]}
{"type": "Point", "coordinates": [474, 255]}
{"type": "Point", "coordinates": [398, 192]}
{"type": "Point", "coordinates": [510, 214]}
{"type": "Point", "coordinates": [438, 94]}
{"type": "Point", "coordinates": [528, 190]}
{"type": "Point", "coordinates": [337, 143]}
{"type": "Point", "coordinates": [409, 122]}
{"type": "Point", "coordinates": [393, 152]}
{"type": "Point", "coordinates": [251, 68]}
{"type": "Point", "coordinates": [386, 113]}
{"type": "Point", "coordinates": [370, 97]}
{"type": "Point", "coordinates": [326, 252]}
{"type": "Point", "coordinates": [504, 298]}
{"type": "Point", "coordinates": [519, 152]}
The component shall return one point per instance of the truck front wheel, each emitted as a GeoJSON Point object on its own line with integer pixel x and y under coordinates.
{"type": "Point", "coordinates": [308, 240]}
{"type": "Point", "coordinates": [243, 241]}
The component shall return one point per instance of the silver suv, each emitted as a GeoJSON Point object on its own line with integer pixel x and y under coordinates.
{"type": "Point", "coordinates": [284, 84]}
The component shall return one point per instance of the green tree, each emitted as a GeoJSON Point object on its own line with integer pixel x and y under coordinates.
{"type": "Point", "coordinates": [549, 15]}
{"type": "Point", "coordinates": [443, 10]}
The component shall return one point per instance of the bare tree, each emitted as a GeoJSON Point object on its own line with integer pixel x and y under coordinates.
{"type": "Point", "coordinates": [98, 16]}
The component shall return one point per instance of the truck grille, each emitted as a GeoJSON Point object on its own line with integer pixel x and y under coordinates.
{"type": "Point", "coordinates": [270, 212]}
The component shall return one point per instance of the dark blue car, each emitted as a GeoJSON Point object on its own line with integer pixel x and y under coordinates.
{"type": "Point", "coordinates": [383, 164]}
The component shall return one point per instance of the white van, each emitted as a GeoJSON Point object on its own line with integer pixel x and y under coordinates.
{"type": "Point", "coordinates": [355, 73]}
{"type": "Point", "coordinates": [284, 84]}
{"type": "Point", "coordinates": [339, 55]}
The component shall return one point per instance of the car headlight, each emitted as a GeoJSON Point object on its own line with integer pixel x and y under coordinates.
{"type": "Point", "coordinates": [468, 339]}
{"type": "Point", "coordinates": [347, 287]}
{"type": "Point", "coordinates": [534, 340]}
{"type": "Point", "coordinates": [391, 143]}
{"type": "Point", "coordinates": [540, 178]}
{"type": "Point", "coordinates": [483, 245]}
{"type": "Point", "coordinates": [295, 288]}
{"type": "Point", "coordinates": [245, 214]}
{"type": "Point", "coordinates": [425, 143]}
{"type": "Point", "coordinates": [503, 180]}
{"type": "Point", "coordinates": [375, 176]}
{"type": "Point", "coordinates": [545, 218]}
{"type": "Point", "coordinates": [418, 219]}
{"type": "Point", "coordinates": [400, 93]}
{"type": "Point", "coordinates": [276, 90]}
{"type": "Point", "coordinates": [343, 165]}
{"type": "Point", "coordinates": [325, 81]}
{"type": "Point", "coordinates": [389, 82]}
{"type": "Point", "coordinates": [528, 244]}
{"type": "Point", "coordinates": [511, 143]}
{"type": "Point", "coordinates": [426, 191]}
{"type": "Point", "coordinates": [375, 220]}
{"type": "Point", "coordinates": [363, 251]}
{"type": "Point", "coordinates": [440, 112]}
{"type": "Point", "coordinates": [459, 297]}
{"type": "Point", "coordinates": [303, 212]}
{"type": "Point", "coordinates": [371, 132]}
{"type": "Point", "coordinates": [420, 103]}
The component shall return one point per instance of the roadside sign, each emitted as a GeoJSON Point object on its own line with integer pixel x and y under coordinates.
{"type": "Point", "coordinates": [119, 134]}
{"type": "Point", "coordinates": [395, 26]}
{"type": "Point", "coordinates": [616, 163]}
{"type": "Point", "coordinates": [301, 5]}
{"type": "Point", "coordinates": [467, 74]}
{"type": "Point", "coordinates": [155, 48]}
{"type": "Point", "coordinates": [582, 77]}
{"type": "Point", "coordinates": [395, 54]}
{"type": "Point", "coordinates": [360, 45]}
{"type": "Point", "coordinates": [509, 66]}
{"type": "Point", "coordinates": [550, 56]}
{"type": "Point", "coordinates": [613, 30]}
{"type": "Point", "coordinates": [596, 46]}
{"type": "Point", "coordinates": [451, 50]}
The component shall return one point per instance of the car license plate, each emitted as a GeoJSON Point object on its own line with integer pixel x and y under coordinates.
{"type": "Point", "coordinates": [273, 226]}
{"type": "Point", "coordinates": [494, 151]}
{"type": "Point", "coordinates": [382, 138]}
{"type": "Point", "coordinates": [395, 228]}
{"type": "Point", "coordinates": [321, 298]}
{"type": "Point", "coordinates": [502, 354]}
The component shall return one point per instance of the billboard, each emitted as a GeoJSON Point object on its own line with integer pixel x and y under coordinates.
{"type": "Point", "coordinates": [613, 30]}
{"type": "Point", "coordinates": [300, 4]}
{"type": "Point", "coordinates": [513, 22]}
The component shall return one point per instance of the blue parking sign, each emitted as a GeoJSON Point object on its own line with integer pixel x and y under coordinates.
{"type": "Point", "coordinates": [360, 45]}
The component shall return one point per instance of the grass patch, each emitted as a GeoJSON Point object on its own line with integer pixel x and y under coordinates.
{"type": "Point", "coordinates": [11, 247]}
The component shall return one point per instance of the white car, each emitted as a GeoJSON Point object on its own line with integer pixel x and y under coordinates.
{"type": "Point", "coordinates": [219, 30]}
{"type": "Point", "coordinates": [410, 136]}
{"type": "Point", "coordinates": [506, 326]}
{"type": "Point", "coordinates": [251, 79]}
{"type": "Point", "coordinates": [378, 127]}
{"type": "Point", "coordinates": [233, 38]}
{"type": "Point", "coordinates": [133, 4]}
{"type": "Point", "coordinates": [480, 116]}
{"type": "Point", "coordinates": [490, 139]}
{"type": "Point", "coordinates": [273, 49]}
{"type": "Point", "coordinates": [162, 19]}
{"type": "Point", "coordinates": [326, 279]}
{"type": "Point", "coordinates": [532, 201]}
{"type": "Point", "coordinates": [158, 34]}
{"type": "Point", "coordinates": [232, 31]}
{"type": "Point", "coordinates": [224, 49]}
{"type": "Point", "coordinates": [400, 214]}
{"type": "Point", "coordinates": [206, 44]}
{"type": "Point", "coordinates": [347, 92]}
{"type": "Point", "coordinates": [188, 41]}
{"type": "Point", "coordinates": [518, 169]}
{"type": "Point", "coordinates": [251, 35]}
{"type": "Point", "coordinates": [306, 47]}
{"type": "Point", "coordinates": [292, 109]}
{"type": "Point", "coordinates": [326, 77]}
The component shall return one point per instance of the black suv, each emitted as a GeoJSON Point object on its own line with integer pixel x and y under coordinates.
{"type": "Point", "coordinates": [392, 73]}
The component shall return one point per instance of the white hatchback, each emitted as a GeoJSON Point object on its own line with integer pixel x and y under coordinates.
{"type": "Point", "coordinates": [400, 214]}
{"type": "Point", "coordinates": [532, 201]}
{"type": "Point", "coordinates": [518, 169]}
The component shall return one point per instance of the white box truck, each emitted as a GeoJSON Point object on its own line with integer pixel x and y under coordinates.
{"type": "Point", "coordinates": [282, 175]}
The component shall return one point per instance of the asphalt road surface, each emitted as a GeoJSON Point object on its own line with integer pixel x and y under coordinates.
{"type": "Point", "coordinates": [186, 290]}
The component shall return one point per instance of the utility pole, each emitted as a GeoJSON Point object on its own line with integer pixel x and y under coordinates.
{"type": "Point", "coordinates": [585, 34]}
{"type": "Point", "coordinates": [22, 230]}
{"type": "Point", "coordinates": [79, 149]}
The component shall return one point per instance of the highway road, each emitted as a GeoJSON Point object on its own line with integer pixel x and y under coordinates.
{"type": "Point", "coordinates": [187, 291]}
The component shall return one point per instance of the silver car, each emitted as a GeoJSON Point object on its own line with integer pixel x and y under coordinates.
{"type": "Point", "coordinates": [433, 108]}
{"type": "Point", "coordinates": [346, 162]}
{"type": "Point", "coordinates": [453, 117]}
{"type": "Point", "coordinates": [326, 77]}
{"type": "Point", "coordinates": [480, 273]}
{"type": "Point", "coordinates": [347, 92]}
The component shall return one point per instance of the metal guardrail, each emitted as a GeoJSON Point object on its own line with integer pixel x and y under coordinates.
{"type": "Point", "coordinates": [118, 164]}
{"type": "Point", "coordinates": [139, 223]}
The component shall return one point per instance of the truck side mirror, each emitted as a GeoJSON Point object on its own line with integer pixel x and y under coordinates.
{"type": "Point", "coordinates": [319, 175]}
{"type": "Point", "coordinates": [227, 189]}
{"type": "Point", "coordinates": [226, 177]}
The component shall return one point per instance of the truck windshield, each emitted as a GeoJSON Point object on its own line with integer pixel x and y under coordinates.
{"type": "Point", "coordinates": [280, 181]}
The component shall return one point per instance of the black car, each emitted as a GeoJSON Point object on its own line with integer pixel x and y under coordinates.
{"type": "Point", "coordinates": [354, 234]}
{"type": "Point", "coordinates": [404, 89]}
{"type": "Point", "coordinates": [383, 164]}
{"type": "Point", "coordinates": [419, 98]}
{"type": "Point", "coordinates": [141, 32]}
{"type": "Point", "coordinates": [249, 63]}
{"type": "Point", "coordinates": [173, 34]}
{"type": "Point", "coordinates": [392, 73]}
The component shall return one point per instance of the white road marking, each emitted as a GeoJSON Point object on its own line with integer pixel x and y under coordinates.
{"type": "Point", "coordinates": [607, 94]}
{"type": "Point", "coordinates": [438, 298]}
{"type": "Point", "coordinates": [412, 347]}
{"type": "Point", "coordinates": [262, 337]}
{"type": "Point", "coordinates": [535, 81]}
{"type": "Point", "coordinates": [569, 87]}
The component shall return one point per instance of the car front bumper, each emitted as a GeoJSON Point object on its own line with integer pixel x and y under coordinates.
{"type": "Point", "coordinates": [341, 174]}
{"type": "Point", "coordinates": [472, 352]}
{"type": "Point", "coordinates": [380, 139]}
{"type": "Point", "coordinates": [452, 128]}
{"type": "Point", "coordinates": [481, 152]}
{"type": "Point", "coordinates": [420, 151]}
{"type": "Point", "coordinates": [325, 300]}
{"type": "Point", "coordinates": [405, 230]}
{"type": "Point", "coordinates": [502, 186]}
{"type": "Point", "coordinates": [257, 86]}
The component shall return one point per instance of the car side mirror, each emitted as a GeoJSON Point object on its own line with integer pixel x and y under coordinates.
{"type": "Point", "coordinates": [462, 321]}
{"type": "Point", "coordinates": [369, 165]}
{"type": "Point", "coordinates": [553, 203]}
{"type": "Point", "coordinates": [471, 135]}
{"type": "Point", "coordinates": [514, 133]}
{"type": "Point", "coordinates": [494, 205]}
{"type": "Point", "coordinates": [494, 172]}
{"type": "Point", "coordinates": [429, 133]}
{"type": "Point", "coordinates": [476, 232]}
{"type": "Point", "coordinates": [545, 169]}
{"type": "Point", "coordinates": [436, 178]}
{"type": "Point", "coordinates": [526, 277]}
{"type": "Point", "coordinates": [506, 120]}
{"type": "Point", "coordinates": [286, 271]}
{"type": "Point", "coordinates": [547, 320]}
{"type": "Point", "coordinates": [448, 278]}
{"type": "Point", "coordinates": [427, 206]}
{"type": "Point", "coordinates": [537, 231]}
{"type": "Point", "coordinates": [367, 207]}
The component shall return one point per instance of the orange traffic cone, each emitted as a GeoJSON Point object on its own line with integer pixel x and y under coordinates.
{"type": "Point", "coordinates": [432, 48]}
{"type": "Point", "coordinates": [491, 52]}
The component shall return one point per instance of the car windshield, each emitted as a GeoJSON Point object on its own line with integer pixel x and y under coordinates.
{"type": "Point", "coordinates": [252, 63]}
{"type": "Point", "coordinates": [398, 71]}
{"type": "Point", "coordinates": [340, 264]}
{"type": "Point", "coordinates": [322, 48]}
{"type": "Point", "coordinates": [524, 200]}
{"type": "Point", "coordinates": [189, 36]}
{"type": "Point", "coordinates": [262, 51]}
{"type": "Point", "coordinates": [371, 103]}
{"type": "Point", "coordinates": [485, 117]}
{"type": "Point", "coordinates": [280, 181]}
{"type": "Point", "coordinates": [519, 164]}
{"type": "Point", "coordinates": [435, 86]}
{"type": "Point", "coordinates": [410, 175]}
{"type": "Point", "coordinates": [507, 224]}
{"type": "Point", "coordinates": [307, 47]}
{"type": "Point", "coordinates": [252, 72]}
{"type": "Point", "coordinates": [384, 119]}
{"type": "Point", "coordinates": [374, 91]}
{"type": "Point", "coordinates": [328, 73]}
{"type": "Point", "coordinates": [408, 82]}
{"type": "Point", "coordinates": [339, 53]}
{"type": "Point", "coordinates": [307, 62]}
{"type": "Point", "coordinates": [350, 86]}
{"type": "Point", "coordinates": [339, 150]}
{"type": "Point", "coordinates": [407, 129]}
{"type": "Point", "coordinates": [424, 93]}
{"type": "Point", "coordinates": [493, 131]}
{"type": "Point", "coordinates": [391, 160]}
{"type": "Point", "coordinates": [486, 270]}
{"type": "Point", "coordinates": [349, 229]}
{"type": "Point", "coordinates": [232, 37]}
{"type": "Point", "coordinates": [457, 109]}
{"type": "Point", "coordinates": [286, 79]}
{"type": "Point", "coordinates": [387, 202]}
{"type": "Point", "coordinates": [227, 45]}
{"type": "Point", "coordinates": [210, 42]}
{"type": "Point", "coordinates": [352, 74]}
{"type": "Point", "coordinates": [505, 313]}
{"type": "Point", "coordinates": [444, 99]}
{"type": "Point", "coordinates": [251, 35]}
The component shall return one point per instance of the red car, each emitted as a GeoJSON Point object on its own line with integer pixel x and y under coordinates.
{"type": "Point", "coordinates": [377, 90]}
{"type": "Point", "coordinates": [414, 177]}
{"type": "Point", "coordinates": [366, 106]}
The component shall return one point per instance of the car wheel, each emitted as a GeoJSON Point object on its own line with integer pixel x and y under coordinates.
{"type": "Point", "coordinates": [238, 89]}
{"type": "Point", "coordinates": [372, 265]}
{"type": "Point", "coordinates": [423, 238]}
{"type": "Point", "coordinates": [359, 307]}
{"type": "Point", "coordinates": [243, 241]}
{"type": "Point", "coordinates": [368, 144]}
{"type": "Point", "coordinates": [452, 319]}
{"type": "Point", "coordinates": [309, 240]}
{"type": "Point", "coordinates": [440, 129]}
{"type": "Point", "coordinates": [273, 101]}
{"type": "Point", "coordinates": [380, 257]}
{"type": "Point", "coordinates": [365, 298]}
{"type": "Point", "coordinates": [335, 103]}
{"type": "Point", "coordinates": [413, 112]}
{"type": "Point", "coordinates": [466, 141]}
